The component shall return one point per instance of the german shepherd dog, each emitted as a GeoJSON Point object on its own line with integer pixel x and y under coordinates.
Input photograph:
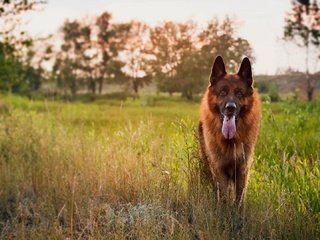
{"type": "Point", "coordinates": [228, 129]}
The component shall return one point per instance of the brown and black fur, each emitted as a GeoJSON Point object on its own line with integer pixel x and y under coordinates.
{"type": "Point", "coordinates": [229, 160]}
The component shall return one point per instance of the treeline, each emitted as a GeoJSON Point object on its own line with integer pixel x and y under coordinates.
{"type": "Point", "coordinates": [89, 54]}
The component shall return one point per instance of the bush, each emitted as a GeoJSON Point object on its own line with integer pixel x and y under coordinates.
{"type": "Point", "coordinates": [273, 92]}
{"type": "Point", "coordinates": [270, 88]}
{"type": "Point", "coordinates": [262, 86]}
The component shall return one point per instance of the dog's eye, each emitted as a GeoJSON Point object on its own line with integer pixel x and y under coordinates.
{"type": "Point", "coordinates": [239, 95]}
{"type": "Point", "coordinates": [223, 93]}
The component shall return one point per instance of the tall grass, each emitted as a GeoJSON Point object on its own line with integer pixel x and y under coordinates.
{"type": "Point", "coordinates": [123, 170]}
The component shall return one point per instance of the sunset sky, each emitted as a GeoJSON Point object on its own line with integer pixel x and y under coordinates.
{"type": "Point", "coordinates": [260, 22]}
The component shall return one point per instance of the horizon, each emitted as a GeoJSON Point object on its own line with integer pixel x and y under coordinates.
{"type": "Point", "coordinates": [261, 25]}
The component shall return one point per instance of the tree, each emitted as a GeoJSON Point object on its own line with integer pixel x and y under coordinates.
{"type": "Point", "coordinates": [10, 68]}
{"type": "Point", "coordinates": [170, 41]}
{"type": "Point", "coordinates": [73, 64]}
{"type": "Point", "coordinates": [16, 73]}
{"type": "Point", "coordinates": [107, 49]}
{"type": "Point", "coordinates": [135, 53]}
{"type": "Point", "coordinates": [220, 39]}
{"type": "Point", "coordinates": [15, 7]}
{"type": "Point", "coordinates": [64, 73]}
{"type": "Point", "coordinates": [189, 74]}
{"type": "Point", "coordinates": [184, 57]}
{"type": "Point", "coordinates": [111, 39]}
{"type": "Point", "coordinates": [302, 26]}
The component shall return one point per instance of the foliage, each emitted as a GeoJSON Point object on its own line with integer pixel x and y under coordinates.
{"type": "Point", "coordinates": [302, 25]}
{"type": "Point", "coordinates": [262, 86]}
{"type": "Point", "coordinates": [270, 88]}
{"type": "Point", "coordinates": [68, 171]}
{"type": "Point", "coordinates": [190, 74]}
{"type": "Point", "coordinates": [108, 67]}
{"type": "Point", "coordinates": [15, 7]}
{"type": "Point", "coordinates": [88, 54]}
{"type": "Point", "coordinates": [135, 54]}
{"type": "Point", "coordinates": [273, 92]}
{"type": "Point", "coordinates": [170, 42]}
{"type": "Point", "coordinates": [220, 39]}
{"type": "Point", "coordinates": [184, 55]}
{"type": "Point", "coordinates": [95, 51]}
{"type": "Point", "coordinates": [65, 75]}
{"type": "Point", "coordinates": [73, 63]}
{"type": "Point", "coordinates": [174, 54]}
{"type": "Point", "coordinates": [17, 75]}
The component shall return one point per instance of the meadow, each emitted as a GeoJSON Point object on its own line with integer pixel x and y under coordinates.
{"type": "Point", "coordinates": [115, 169]}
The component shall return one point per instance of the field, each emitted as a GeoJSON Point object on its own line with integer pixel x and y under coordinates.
{"type": "Point", "coordinates": [130, 170]}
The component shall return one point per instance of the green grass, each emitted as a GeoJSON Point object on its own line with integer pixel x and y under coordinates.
{"type": "Point", "coordinates": [129, 170]}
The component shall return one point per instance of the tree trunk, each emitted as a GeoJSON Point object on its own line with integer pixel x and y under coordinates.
{"type": "Point", "coordinates": [309, 84]}
{"type": "Point", "coordinates": [92, 86]}
{"type": "Point", "coordinates": [187, 94]}
{"type": "Point", "coordinates": [100, 82]}
{"type": "Point", "coordinates": [310, 89]}
{"type": "Point", "coordinates": [73, 88]}
{"type": "Point", "coordinates": [135, 86]}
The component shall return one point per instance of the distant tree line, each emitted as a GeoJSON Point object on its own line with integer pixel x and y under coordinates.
{"type": "Point", "coordinates": [89, 54]}
{"type": "Point", "coordinates": [177, 56]}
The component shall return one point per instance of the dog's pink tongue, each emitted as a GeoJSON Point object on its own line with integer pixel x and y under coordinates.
{"type": "Point", "coordinates": [229, 127]}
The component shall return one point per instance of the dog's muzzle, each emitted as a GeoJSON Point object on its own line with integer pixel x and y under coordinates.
{"type": "Point", "coordinates": [229, 120]}
{"type": "Point", "coordinates": [230, 109]}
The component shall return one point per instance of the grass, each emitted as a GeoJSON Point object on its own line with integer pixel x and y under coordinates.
{"type": "Point", "coordinates": [130, 170]}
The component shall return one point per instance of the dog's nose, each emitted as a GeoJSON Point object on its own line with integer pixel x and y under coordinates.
{"type": "Point", "coordinates": [231, 107]}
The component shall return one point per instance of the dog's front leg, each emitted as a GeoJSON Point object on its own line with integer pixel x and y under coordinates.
{"type": "Point", "coordinates": [241, 181]}
{"type": "Point", "coordinates": [222, 186]}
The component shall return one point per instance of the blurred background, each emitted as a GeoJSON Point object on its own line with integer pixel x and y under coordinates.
{"type": "Point", "coordinates": [90, 49]}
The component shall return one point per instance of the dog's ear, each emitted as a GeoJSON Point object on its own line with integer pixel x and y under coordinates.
{"type": "Point", "coordinates": [245, 71]}
{"type": "Point", "coordinates": [218, 70]}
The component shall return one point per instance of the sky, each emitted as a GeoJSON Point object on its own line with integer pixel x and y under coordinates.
{"type": "Point", "coordinates": [260, 22]}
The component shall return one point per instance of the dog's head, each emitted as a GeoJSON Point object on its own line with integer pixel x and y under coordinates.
{"type": "Point", "coordinates": [231, 93]}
